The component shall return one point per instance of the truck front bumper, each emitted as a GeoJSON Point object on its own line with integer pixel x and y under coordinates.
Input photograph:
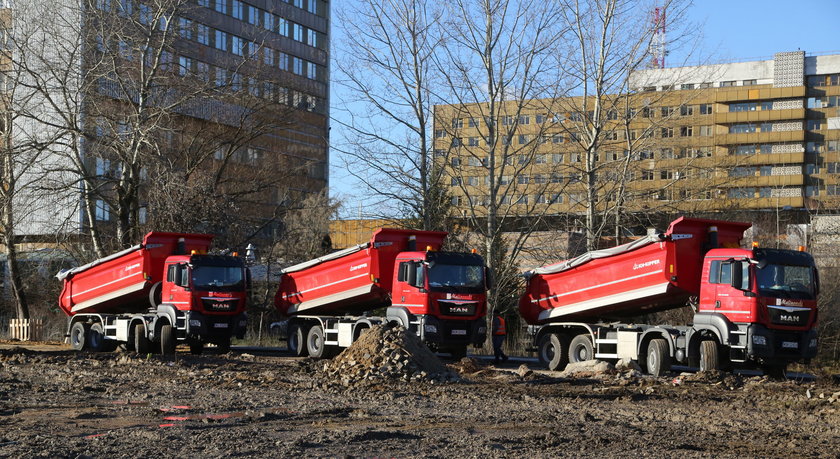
{"type": "Point", "coordinates": [444, 333]}
{"type": "Point", "coordinates": [209, 327]}
{"type": "Point", "coordinates": [780, 346]}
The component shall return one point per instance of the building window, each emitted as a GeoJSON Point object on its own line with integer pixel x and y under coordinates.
{"type": "Point", "coordinates": [726, 84]}
{"type": "Point", "coordinates": [748, 82]}
{"type": "Point", "coordinates": [686, 131]}
{"type": "Point", "coordinates": [705, 109]}
{"type": "Point", "coordinates": [253, 14]}
{"type": "Point", "coordinates": [667, 132]}
{"type": "Point", "coordinates": [102, 211]}
{"type": "Point", "coordinates": [524, 119]}
{"type": "Point", "coordinates": [472, 141]}
{"type": "Point", "coordinates": [297, 32]}
{"type": "Point", "coordinates": [814, 125]}
{"type": "Point", "coordinates": [667, 111]}
{"type": "Point", "coordinates": [687, 86]}
{"type": "Point", "coordinates": [221, 40]}
{"type": "Point", "coordinates": [237, 44]}
{"type": "Point", "coordinates": [222, 6]}
{"type": "Point", "coordinates": [706, 131]}
{"type": "Point", "coordinates": [741, 128]}
{"type": "Point", "coordinates": [297, 65]}
{"type": "Point", "coordinates": [687, 110]}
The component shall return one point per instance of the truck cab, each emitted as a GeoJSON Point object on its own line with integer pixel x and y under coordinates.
{"type": "Point", "coordinates": [762, 302]}
{"type": "Point", "coordinates": [206, 294]}
{"type": "Point", "coordinates": [447, 292]}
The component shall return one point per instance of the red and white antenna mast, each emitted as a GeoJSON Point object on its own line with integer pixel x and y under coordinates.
{"type": "Point", "coordinates": [657, 42]}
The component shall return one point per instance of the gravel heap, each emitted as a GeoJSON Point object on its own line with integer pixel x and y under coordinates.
{"type": "Point", "coordinates": [387, 352]}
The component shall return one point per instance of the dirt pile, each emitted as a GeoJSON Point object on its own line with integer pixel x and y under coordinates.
{"type": "Point", "coordinates": [387, 353]}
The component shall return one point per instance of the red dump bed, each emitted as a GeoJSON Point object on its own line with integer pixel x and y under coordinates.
{"type": "Point", "coordinates": [350, 281]}
{"type": "Point", "coordinates": [651, 274]}
{"type": "Point", "coordinates": [121, 282]}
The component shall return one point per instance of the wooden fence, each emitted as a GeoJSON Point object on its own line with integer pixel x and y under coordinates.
{"type": "Point", "coordinates": [26, 329]}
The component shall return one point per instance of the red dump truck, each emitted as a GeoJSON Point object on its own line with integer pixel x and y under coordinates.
{"type": "Point", "coordinates": [752, 307]}
{"type": "Point", "coordinates": [439, 295]}
{"type": "Point", "coordinates": [164, 291]}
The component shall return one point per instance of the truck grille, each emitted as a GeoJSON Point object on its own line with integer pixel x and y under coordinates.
{"type": "Point", "coordinates": [460, 308]}
{"type": "Point", "coordinates": [781, 315]}
{"type": "Point", "coordinates": [213, 304]}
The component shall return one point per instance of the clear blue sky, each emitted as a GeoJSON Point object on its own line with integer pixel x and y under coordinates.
{"type": "Point", "coordinates": [731, 31]}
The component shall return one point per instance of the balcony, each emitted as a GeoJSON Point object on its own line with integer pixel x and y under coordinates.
{"type": "Point", "coordinates": [761, 137]}
{"type": "Point", "coordinates": [741, 93]}
{"type": "Point", "coordinates": [758, 116]}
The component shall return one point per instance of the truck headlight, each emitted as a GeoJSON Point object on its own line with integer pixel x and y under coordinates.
{"type": "Point", "coordinates": [759, 340]}
{"type": "Point", "coordinates": [482, 330]}
{"type": "Point", "coordinates": [430, 328]}
{"type": "Point", "coordinates": [195, 323]}
{"type": "Point", "coordinates": [813, 343]}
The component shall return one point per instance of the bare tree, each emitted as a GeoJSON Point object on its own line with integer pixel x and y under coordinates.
{"type": "Point", "coordinates": [387, 69]}
{"type": "Point", "coordinates": [134, 123]}
{"type": "Point", "coordinates": [499, 55]}
{"type": "Point", "coordinates": [610, 40]}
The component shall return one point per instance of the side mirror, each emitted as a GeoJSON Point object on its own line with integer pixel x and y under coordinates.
{"type": "Point", "coordinates": [411, 277]}
{"type": "Point", "coordinates": [739, 279]}
{"type": "Point", "coordinates": [248, 281]}
{"type": "Point", "coordinates": [182, 277]}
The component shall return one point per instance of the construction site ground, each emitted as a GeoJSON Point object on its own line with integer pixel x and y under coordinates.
{"type": "Point", "coordinates": [55, 402]}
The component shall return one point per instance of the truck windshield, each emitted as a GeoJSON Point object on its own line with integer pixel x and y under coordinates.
{"type": "Point", "coordinates": [785, 281]}
{"type": "Point", "coordinates": [456, 277]}
{"type": "Point", "coordinates": [218, 278]}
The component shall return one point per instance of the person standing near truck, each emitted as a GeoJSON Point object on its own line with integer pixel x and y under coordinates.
{"type": "Point", "coordinates": [499, 335]}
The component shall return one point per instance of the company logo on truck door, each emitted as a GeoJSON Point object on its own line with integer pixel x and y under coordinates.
{"type": "Point", "coordinates": [645, 264]}
{"type": "Point", "coordinates": [357, 267]}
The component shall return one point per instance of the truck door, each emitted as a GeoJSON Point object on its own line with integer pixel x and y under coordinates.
{"type": "Point", "coordinates": [730, 281]}
{"type": "Point", "coordinates": [176, 289]}
{"type": "Point", "coordinates": [410, 287]}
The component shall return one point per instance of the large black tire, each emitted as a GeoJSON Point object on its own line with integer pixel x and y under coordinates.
{"type": "Point", "coordinates": [156, 294]}
{"type": "Point", "coordinates": [315, 342]}
{"type": "Point", "coordinates": [580, 349]}
{"type": "Point", "coordinates": [142, 345]}
{"type": "Point", "coordinates": [553, 351]}
{"type": "Point", "coordinates": [96, 338]}
{"type": "Point", "coordinates": [775, 371]}
{"type": "Point", "coordinates": [223, 346]}
{"type": "Point", "coordinates": [196, 347]}
{"type": "Point", "coordinates": [458, 352]}
{"type": "Point", "coordinates": [709, 356]}
{"type": "Point", "coordinates": [167, 340]}
{"type": "Point", "coordinates": [296, 341]}
{"type": "Point", "coordinates": [658, 361]}
{"type": "Point", "coordinates": [78, 336]}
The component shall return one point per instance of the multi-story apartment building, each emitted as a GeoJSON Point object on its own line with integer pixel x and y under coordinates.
{"type": "Point", "coordinates": [254, 71]}
{"type": "Point", "coordinates": [738, 136]}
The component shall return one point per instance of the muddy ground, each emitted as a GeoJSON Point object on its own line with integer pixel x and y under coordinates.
{"type": "Point", "coordinates": [55, 402]}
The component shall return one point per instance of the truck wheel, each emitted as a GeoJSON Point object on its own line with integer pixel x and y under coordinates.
{"type": "Point", "coordinates": [78, 333]}
{"type": "Point", "coordinates": [296, 341]}
{"type": "Point", "coordinates": [458, 352]}
{"type": "Point", "coordinates": [142, 345]}
{"type": "Point", "coordinates": [315, 342]}
{"type": "Point", "coordinates": [580, 348]}
{"type": "Point", "coordinates": [709, 359]}
{"type": "Point", "coordinates": [775, 371]}
{"type": "Point", "coordinates": [658, 357]}
{"type": "Point", "coordinates": [223, 346]}
{"type": "Point", "coordinates": [167, 340]}
{"type": "Point", "coordinates": [96, 338]}
{"type": "Point", "coordinates": [156, 294]}
{"type": "Point", "coordinates": [552, 351]}
{"type": "Point", "coordinates": [196, 347]}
